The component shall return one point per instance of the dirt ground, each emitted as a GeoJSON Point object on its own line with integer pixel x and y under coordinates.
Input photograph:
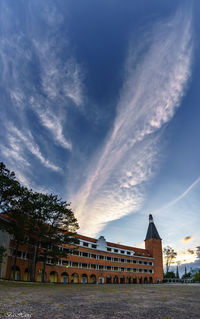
{"type": "Point", "coordinates": [35, 301]}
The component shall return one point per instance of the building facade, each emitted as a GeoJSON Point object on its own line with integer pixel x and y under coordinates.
{"type": "Point", "coordinates": [94, 261]}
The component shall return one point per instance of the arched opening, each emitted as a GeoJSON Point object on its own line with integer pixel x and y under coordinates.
{"type": "Point", "coordinates": [115, 280]}
{"type": "Point", "coordinates": [15, 274]}
{"type": "Point", "coordinates": [108, 279]}
{"type": "Point", "coordinates": [128, 280]}
{"type": "Point", "coordinates": [122, 280]}
{"type": "Point", "coordinates": [145, 280]}
{"type": "Point", "coordinates": [53, 276]}
{"type": "Point", "coordinates": [74, 279]}
{"type": "Point", "coordinates": [140, 280]}
{"type": "Point", "coordinates": [134, 280]}
{"type": "Point", "coordinates": [64, 278]}
{"type": "Point", "coordinates": [150, 280]}
{"type": "Point", "coordinates": [26, 275]}
{"type": "Point", "coordinates": [84, 279]}
{"type": "Point", "coordinates": [92, 279]}
{"type": "Point", "coordinates": [40, 275]}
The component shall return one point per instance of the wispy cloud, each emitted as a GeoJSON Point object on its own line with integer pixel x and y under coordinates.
{"type": "Point", "coordinates": [151, 93]}
{"type": "Point", "coordinates": [18, 145]}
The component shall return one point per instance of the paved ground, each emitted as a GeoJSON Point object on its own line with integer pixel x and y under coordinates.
{"type": "Point", "coordinates": [35, 301]}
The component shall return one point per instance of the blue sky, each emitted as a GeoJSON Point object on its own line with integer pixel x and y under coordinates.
{"type": "Point", "coordinates": [100, 104]}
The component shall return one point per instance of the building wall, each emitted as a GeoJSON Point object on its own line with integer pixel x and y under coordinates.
{"type": "Point", "coordinates": [144, 265]}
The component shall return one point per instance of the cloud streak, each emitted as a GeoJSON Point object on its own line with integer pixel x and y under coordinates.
{"type": "Point", "coordinates": [151, 93]}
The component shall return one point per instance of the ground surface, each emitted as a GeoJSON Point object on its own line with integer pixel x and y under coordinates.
{"type": "Point", "coordinates": [35, 301]}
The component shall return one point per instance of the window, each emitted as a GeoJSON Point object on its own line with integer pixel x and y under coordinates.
{"type": "Point", "coordinates": [122, 269]}
{"type": "Point", "coordinates": [128, 253]}
{"type": "Point", "coordinates": [84, 265]}
{"type": "Point", "coordinates": [65, 262]}
{"type": "Point", "coordinates": [116, 250]}
{"type": "Point", "coordinates": [100, 267]}
{"type": "Point", "coordinates": [150, 263]}
{"type": "Point", "coordinates": [93, 266]}
{"type": "Point", "coordinates": [108, 258]}
{"type": "Point", "coordinates": [145, 262]}
{"type": "Point", "coordinates": [122, 260]}
{"type": "Point", "coordinates": [85, 254]}
{"type": "Point", "coordinates": [116, 268]}
{"type": "Point", "coordinates": [74, 264]}
{"type": "Point", "coordinates": [108, 267]}
{"type": "Point", "coordinates": [93, 256]}
{"type": "Point", "coordinates": [85, 244]}
{"type": "Point", "coordinates": [128, 269]}
{"type": "Point", "coordinates": [108, 249]}
{"type": "Point", "coordinates": [94, 246]}
{"type": "Point", "coordinates": [128, 261]}
{"type": "Point", "coordinates": [140, 270]}
{"type": "Point", "coordinates": [122, 251]}
{"type": "Point", "coordinates": [134, 261]}
{"type": "Point", "coordinates": [140, 262]}
{"type": "Point", "coordinates": [101, 257]}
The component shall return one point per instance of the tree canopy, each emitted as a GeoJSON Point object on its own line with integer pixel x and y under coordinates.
{"type": "Point", "coordinates": [43, 222]}
{"type": "Point", "coordinates": [169, 256]}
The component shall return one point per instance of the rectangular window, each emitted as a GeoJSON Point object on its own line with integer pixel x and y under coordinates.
{"type": "Point", "coordinates": [65, 262]}
{"type": "Point", "coordinates": [134, 261]}
{"type": "Point", "coordinates": [84, 265]}
{"type": "Point", "coordinates": [116, 250]}
{"type": "Point", "coordinates": [122, 269]}
{"type": "Point", "coordinates": [93, 256]}
{"type": "Point", "coordinates": [115, 259]}
{"type": "Point", "coordinates": [101, 257]}
{"type": "Point", "coordinates": [100, 267]}
{"type": "Point", "coordinates": [116, 268]}
{"type": "Point", "coordinates": [122, 260]}
{"type": "Point", "coordinates": [94, 246]}
{"type": "Point", "coordinates": [108, 249]}
{"type": "Point", "coordinates": [85, 244]}
{"type": "Point", "coordinates": [108, 258]}
{"type": "Point", "coordinates": [122, 251]}
{"type": "Point", "coordinates": [108, 267]}
{"type": "Point", "coordinates": [93, 266]}
{"type": "Point", "coordinates": [85, 254]}
{"type": "Point", "coordinates": [128, 253]}
{"type": "Point", "coordinates": [128, 261]}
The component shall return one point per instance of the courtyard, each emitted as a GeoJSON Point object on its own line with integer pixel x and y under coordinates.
{"type": "Point", "coordinates": [37, 301]}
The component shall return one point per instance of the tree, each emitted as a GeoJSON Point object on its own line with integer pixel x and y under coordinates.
{"type": "Point", "coordinates": [42, 222]}
{"type": "Point", "coordinates": [177, 272]}
{"type": "Point", "coordinates": [169, 255]}
{"type": "Point", "coordinates": [10, 189]}
{"type": "Point", "coordinates": [186, 275]}
{"type": "Point", "coordinates": [169, 274]}
{"type": "Point", "coordinates": [59, 229]}
{"type": "Point", "coordinates": [197, 276]}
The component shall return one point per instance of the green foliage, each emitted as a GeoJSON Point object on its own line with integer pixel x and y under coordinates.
{"type": "Point", "coordinates": [169, 274]}
{"type": "Point", "coordinates": [197, 276]}
{"type": "Point", "coordinates": [187, 275]}
{"type": "Point", "coordinates": [43, 222]}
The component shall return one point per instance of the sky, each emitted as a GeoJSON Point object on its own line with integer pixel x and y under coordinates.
{"type": "Point", "coordinates": [100, 105]}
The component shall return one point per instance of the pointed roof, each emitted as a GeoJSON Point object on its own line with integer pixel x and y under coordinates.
{"type": "Point", "coordinates": [152, 231]}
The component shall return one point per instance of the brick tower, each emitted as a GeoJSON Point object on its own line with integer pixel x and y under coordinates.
{"type": "Point", "coordinates": [153, 243]}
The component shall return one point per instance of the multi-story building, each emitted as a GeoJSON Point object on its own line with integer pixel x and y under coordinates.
{"type": "Point", "coordinates": [95, 261]}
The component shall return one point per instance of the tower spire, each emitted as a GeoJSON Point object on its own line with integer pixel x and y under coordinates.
{"type": "Point", "coordinates": [152, 231]}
